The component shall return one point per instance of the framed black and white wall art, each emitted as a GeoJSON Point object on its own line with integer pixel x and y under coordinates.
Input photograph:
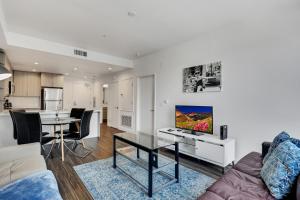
{"type": "Point", "coordinates": [203, 78]}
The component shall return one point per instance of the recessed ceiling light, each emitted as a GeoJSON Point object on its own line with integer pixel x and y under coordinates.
{"type": "Point", "coordinates": [67, 74]}
{"type": "Point", "coordinates": [34, 70]}
{"type": "Point", "coordinates": [36, 63]}
{"type": "Point", "coordinates": [105, 85]}
{"type": "Point", "coordinates": [109, 68]}
{"type": "Point", "coordinates": [131, 13]}
{"type": "Point", "coordinates": [75, 68]}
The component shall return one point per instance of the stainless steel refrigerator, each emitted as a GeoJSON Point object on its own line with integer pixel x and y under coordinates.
{"type": "Point", "coordinates": [52, 99]}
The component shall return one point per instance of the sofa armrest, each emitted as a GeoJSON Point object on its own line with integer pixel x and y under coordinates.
{"type": "Point", "coordinates": [265, 148]}
{"type": "Point", "coordinates": [15, 152]}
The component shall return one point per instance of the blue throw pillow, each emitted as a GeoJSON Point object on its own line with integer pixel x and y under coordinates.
{"type": "Point", "coordinates": [295, 141]}
{"type": "Point", "coordinates": [281, 169]}
{"type": "Point", "coordinates": [281, 137]}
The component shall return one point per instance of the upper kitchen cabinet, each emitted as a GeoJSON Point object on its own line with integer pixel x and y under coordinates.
{"type": "Point", "coordinates": [26, 84]}
{"type": "Point", "coordinates": [58, 80]}
{"type": "Point", "coordinates": [52, 80]}
{"type": "Point", "coordinates": [34, 84]}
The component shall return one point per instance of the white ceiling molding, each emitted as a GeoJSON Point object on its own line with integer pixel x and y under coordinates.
{"type": "Point", "coordinates": [23, 41]}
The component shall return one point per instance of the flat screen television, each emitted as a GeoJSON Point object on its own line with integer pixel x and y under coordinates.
{"type": "Point", "coordinates": [194, 118]}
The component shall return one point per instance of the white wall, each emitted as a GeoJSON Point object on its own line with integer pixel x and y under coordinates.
{"type": "Point", "coordinates": [80, 93]}
{"type": "Point", "coordinates": [261, 78]}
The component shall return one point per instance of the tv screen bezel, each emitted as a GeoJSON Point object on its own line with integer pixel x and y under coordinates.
{"type": "Point", "coordinates": [212, 130]}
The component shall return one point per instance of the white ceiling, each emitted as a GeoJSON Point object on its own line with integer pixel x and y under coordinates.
{"type": "Point", "coordinates": [23, 59]}
{"type": "Point", "coordinates": [158, 24]}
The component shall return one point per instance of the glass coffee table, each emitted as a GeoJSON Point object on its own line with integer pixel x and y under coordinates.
{"type": "Point", "coordinates": [150, 144]}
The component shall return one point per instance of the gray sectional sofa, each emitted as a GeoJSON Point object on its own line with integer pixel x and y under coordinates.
{"type": "Point", "coordinates": [20, 161]}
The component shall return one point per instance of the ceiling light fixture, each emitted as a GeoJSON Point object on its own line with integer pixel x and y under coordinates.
{"type": "Point", "coordinates": [131, 13]}
{"type": "Point", "coordinates": [4, 73]}
{"type": "Point", "coordinates": [67, 74]}
{"type": "Point", "coordinates": [36, 63]}
{"type": "Point", "coordinates": [109, 68]}
{"type": "Point", "coordinates": [34, 70]}
{"type": "Point", "coordinates": [75, 68]}
{"type": "Point", "coordinates": [105, 85]}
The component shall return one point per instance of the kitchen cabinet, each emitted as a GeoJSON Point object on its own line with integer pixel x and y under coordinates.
{"type": "Point", "coordinates": [52, 80]}
{"type": "Point", "coordinates": [20, 83]}
{"type": "Point", "coordinates": [58, 80]}
{"type": "Point", "coordinates": [46, 80]}
{"type": "Point", "coordinates": [26, 84]}
{"type": "Point", "coordinates": [33, 84]}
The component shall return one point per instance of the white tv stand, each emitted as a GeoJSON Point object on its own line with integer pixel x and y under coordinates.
{"type": "Point", "coordinates": [204, 147]}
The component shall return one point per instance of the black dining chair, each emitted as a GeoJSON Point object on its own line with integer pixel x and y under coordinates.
{"type": "Point", "coordinates": [11, 112]}
{"type": "Point", "coordinates": [14, 121]}
{"type": "Point", "coordinates": [84, 131]}
{"type": "Point", "coordinates": [75, 113]}
{"type": "Point", "coordinates": [29, 129]}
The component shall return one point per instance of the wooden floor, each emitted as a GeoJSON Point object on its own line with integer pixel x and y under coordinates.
{"type": "Point", "coordinates": [70, 185]}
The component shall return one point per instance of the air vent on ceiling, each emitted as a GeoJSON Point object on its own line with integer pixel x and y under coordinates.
{"type": "Point", "coordinates": [80, 53]}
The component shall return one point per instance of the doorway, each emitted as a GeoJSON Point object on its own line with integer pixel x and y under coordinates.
{"type": "Point", "coordinates": [113, 106]}
{"type": "Point", "coordinates": [146, 104]}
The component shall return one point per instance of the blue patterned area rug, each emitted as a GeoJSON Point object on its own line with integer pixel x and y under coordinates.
{"type": "Point", "coordinates": [104, 182]}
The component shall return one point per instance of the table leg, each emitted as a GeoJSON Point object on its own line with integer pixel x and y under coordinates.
{"type": "Point", "coordinates": [53, 134]}
{"type": "Point", "coordinates": [62, 143]}
{"type": "Point", "coordinates": [77, 126]}
{"type": "Point", "coordinates": [150, 174]}
{"type": "Point", "coordinates": [177, 162]}
{"type": "Point", "coordinates": [83, 144]}
{"type": "Point", "coordinates": [137, 153]}
{"type": "Point", "coordinates": [155, 158]}
{"type": "Point", "coordinates": [114, 152]}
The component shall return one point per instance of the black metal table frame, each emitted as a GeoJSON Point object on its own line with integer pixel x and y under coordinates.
{"type": "Point", "coordinates": [152, 162]}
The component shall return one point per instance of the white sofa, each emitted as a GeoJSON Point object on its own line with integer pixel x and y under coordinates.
{"type": "Point", "coordinates": [19, 161]}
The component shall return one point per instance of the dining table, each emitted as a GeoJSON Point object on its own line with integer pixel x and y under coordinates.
{"type": "Point", "coordinates": [61, 122]}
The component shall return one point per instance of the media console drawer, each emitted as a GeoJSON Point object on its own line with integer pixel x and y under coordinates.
{"type": "Point", "coordinates": [205, 147]}
{"type": "Point", "coordinates": [213, 152]}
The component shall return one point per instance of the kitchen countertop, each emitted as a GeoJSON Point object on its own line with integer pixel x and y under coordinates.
{"type": "Point", "coordinates": [42, 112]}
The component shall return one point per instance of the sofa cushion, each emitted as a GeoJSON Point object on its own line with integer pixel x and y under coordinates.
{"type": "Point", "coordinates": [250, 164]}
{"type": "Point", "coordinates": [238, 185]}
{"type": "Point", "coordinates": [19, 151]}
{"type": "Point", "coordinates": [210, 196]}
{"type": "Point", "coordinates": [37, 186]}
{"type": "Point", "coordinates": [281, 137]}
{"type": "Point", "coordinates": [281, 169]}
{"type": "Point", "coordinates": [16, 169]}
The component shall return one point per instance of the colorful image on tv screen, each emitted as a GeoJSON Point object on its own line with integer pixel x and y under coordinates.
{"type": "Point", "coordinates": [197, 118]}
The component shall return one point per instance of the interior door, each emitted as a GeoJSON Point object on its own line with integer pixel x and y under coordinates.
{"type": "Point", "coordinates": [126, 95]}
{"type": "Point", "coordinates": [113, 105]}
{"type": "Point", "coordinates": [146, 104]}
{"type": "Point", "coordinates": [82, 95]}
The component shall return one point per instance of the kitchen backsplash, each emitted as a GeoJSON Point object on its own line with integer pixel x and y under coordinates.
{"type": "Point", "coordinates": [25, 102]}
